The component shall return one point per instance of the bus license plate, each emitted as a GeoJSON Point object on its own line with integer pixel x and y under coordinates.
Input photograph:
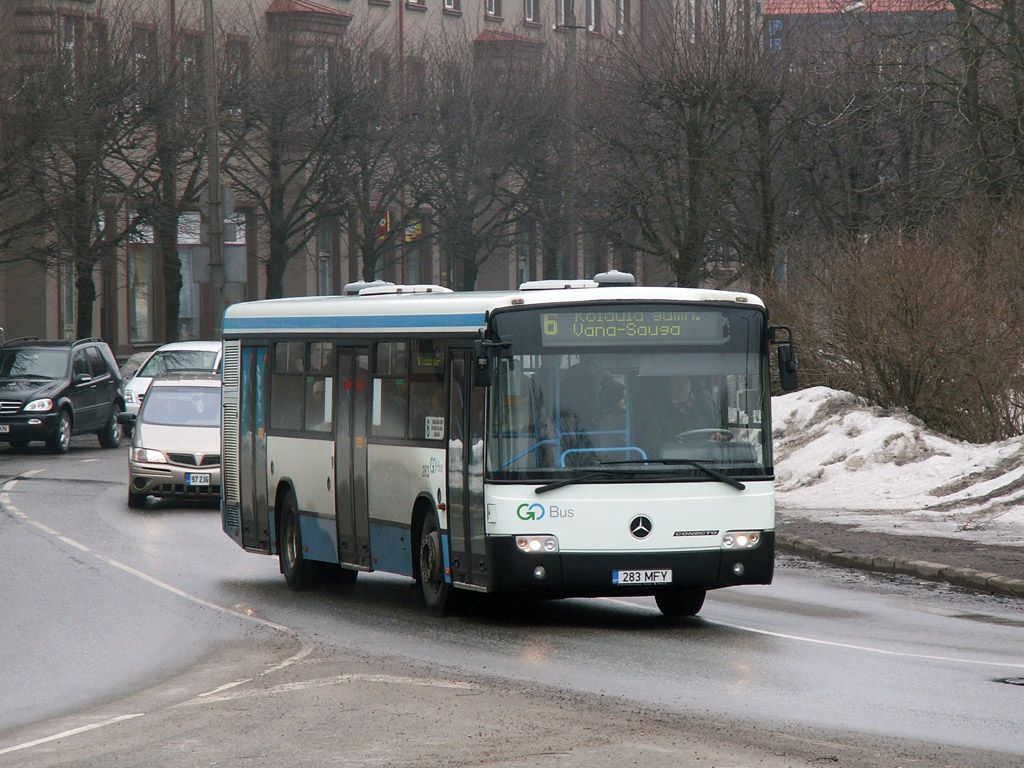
{"type": "Point", "coordinates": [640, 578]}
{"type": "Point", "coordinates": [4, 429]}
{"type": "Point", "coordinates": [197, 478]}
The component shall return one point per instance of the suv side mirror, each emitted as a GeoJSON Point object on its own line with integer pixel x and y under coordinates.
{"type": "Point", "coordinates": [81, 378]}
{"type": "Point", "coordinates": [126, 419]}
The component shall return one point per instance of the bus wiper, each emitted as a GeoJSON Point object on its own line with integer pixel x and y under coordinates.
{"type": "Point", "coordinates": [690, 463]}
{"type": "Point", "coordinates": [571, 480]}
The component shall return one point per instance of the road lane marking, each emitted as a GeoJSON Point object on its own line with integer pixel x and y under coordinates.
{"type": "Point", "coordinates": [72, 732]}
{"type": "Point", "coordinates": [305, 649]}
{"type": "Point", "coordinates": [187, 596]}
{"type": "Point", "coordinates": [335, 680]}
{"type": "Point", "coordinates": [835, 644]}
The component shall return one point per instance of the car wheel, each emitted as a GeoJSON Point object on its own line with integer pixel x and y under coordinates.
{"type": "Point", "coordinates": [60, 440]}
{"type": "Point", "coordinates": [680, 602]}
{"type": "Point", "coordinates": [110, 435]}
{"type": "Point", "coordinates": [136, 500]}
{"type": "Point", "coordinates": [437, 593]}
{"type": "Point", "coordinates": [296, 569]}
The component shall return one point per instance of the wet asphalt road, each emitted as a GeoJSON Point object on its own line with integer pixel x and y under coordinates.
{"type": "Point", "coordinates": [101, 602]}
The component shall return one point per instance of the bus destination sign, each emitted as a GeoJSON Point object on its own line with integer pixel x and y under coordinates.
{"type": "Point", "coordinates": [632, 327]}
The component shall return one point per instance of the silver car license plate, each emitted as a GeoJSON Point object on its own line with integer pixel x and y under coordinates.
{"type": "Point", "coordinates": [197, 478]}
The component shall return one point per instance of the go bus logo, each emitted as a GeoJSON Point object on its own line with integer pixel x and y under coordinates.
{"type": "Point", "coordinates": [535, 511]}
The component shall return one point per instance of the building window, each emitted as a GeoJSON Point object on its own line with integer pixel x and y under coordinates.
{"type": "Point", "coordinates": [69, 47]}
{"type": "Point", "coordinates": [191, 87]}
{"type": "Point", "coordinates": [525, 244]}
{"type": "Point", "coordinates": [493, 7]}
{"type": "Point", "coordinates": [144, 56]}
{"type": "Point", "coordinates": [140, 292]}
{"type": "Point", "coordinates": [453, 5]}
{"type": "Point", "coordinates": [325, 257]}
{"type": "Point", "coordinates": [236, 57]}
{"type": "Point", "coordinates": [593, 15]}
{"type": "Point", "coordinates": [530, 11]}
{"type": "Point", "coordinates": [68, 303]}
{"type": "Point", "coordinates": [622, 10]}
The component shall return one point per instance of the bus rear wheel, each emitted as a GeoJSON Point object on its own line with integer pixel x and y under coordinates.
{"type": "Point", "coordinates": [296, 570]}
{"type": "Point", "coordinates": [680, 602]}
{"type": "Point", "coordinates": [436, 591]}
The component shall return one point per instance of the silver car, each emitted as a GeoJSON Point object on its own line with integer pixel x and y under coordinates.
{"type": "Point", "coordinates": [176, 440]}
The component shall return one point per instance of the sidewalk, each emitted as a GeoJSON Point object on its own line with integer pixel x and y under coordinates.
{"type": "Point", "coordinates": [987, 568]}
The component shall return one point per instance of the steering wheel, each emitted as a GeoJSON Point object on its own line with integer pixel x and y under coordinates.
{"type": "Point", "coordinates": [693, 435]}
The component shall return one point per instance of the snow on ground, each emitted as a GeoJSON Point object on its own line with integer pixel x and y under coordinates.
{"type": "Point", "coordinates": [840, 460]}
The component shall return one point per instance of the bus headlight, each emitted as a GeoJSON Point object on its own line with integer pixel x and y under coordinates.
{"type": "Point", "coordinates": [741, 539]}
{"type": "Point", "coordinates": [533, 544]}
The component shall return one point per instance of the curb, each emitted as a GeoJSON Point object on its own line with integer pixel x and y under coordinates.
{"type": "Point", "coordinates": [922, 569]}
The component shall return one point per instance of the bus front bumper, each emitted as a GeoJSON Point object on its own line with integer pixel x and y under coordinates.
{"type": "Point", "coordinates": [586, 574]}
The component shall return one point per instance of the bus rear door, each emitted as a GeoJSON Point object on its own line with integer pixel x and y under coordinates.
{"type": "Point", "coordinates": [350, 451]}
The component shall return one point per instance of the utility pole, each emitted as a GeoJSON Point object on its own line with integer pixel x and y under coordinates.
{"type": "Point", "coordinates": [214, 212]}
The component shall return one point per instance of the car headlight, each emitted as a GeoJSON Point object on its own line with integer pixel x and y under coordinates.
{"type": "Point", "coordinates": [43, 404]}
{"type": "Point", "coordinates": [148, 455]}
{"type": "Point", "coordinates": [741, 539]}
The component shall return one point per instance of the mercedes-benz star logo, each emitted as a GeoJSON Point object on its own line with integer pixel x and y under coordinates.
{"type": "Point", "coordinates": [640, 527]}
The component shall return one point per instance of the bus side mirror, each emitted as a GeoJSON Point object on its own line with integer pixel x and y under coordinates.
{"type": "Point", "coordinates": [481, 365]}
{"type": "Point", "coordinates": [786, 357]}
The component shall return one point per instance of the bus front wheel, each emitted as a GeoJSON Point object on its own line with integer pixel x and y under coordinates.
{"type": "Point", "coordinates": [436, 591]}
{"type": "Point", "coordinates": [294, 566]}
{"type": "Point", "coordinates": [680, 602]}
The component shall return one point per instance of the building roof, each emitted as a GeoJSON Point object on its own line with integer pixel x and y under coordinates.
{"type": "Point", "coordinates": [831, 7]}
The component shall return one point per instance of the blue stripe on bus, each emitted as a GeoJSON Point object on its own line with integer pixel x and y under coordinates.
{"type": "Point", "coordinates": [475, 319]}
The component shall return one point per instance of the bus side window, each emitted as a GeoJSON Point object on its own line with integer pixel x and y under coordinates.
{"type": "Point", "coordinates": [319, 387]}
{"type": "Point", "coordinates": [391, 390]}
{"type": "Point", "coordinates": [286, 381]}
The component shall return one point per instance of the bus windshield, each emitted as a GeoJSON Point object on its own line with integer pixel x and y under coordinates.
{"type": "Point", "coordinates": [640, 390]}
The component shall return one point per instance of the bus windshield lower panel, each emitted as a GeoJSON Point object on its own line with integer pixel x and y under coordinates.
{"type": "Point", "coordinates": [649, 398]}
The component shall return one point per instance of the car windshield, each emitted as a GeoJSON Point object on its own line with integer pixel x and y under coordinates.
{"type": "Point", "coordinates": [179, 360]}
{"type": "Point", "coordinates": [34, 363]}
{"type": "Point", "coordinates": [182, 406]}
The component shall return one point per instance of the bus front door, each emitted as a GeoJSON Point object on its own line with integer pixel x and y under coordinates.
{"type": "Point", "coordinates": [351, 419]}
{"type": "Point", "coordinates": [253, 450]}
{"type": "Point", "coordinates": [465, 473]}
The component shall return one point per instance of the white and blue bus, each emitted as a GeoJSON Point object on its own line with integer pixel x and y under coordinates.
{"type": "Point", "coordinates": [505, 442]}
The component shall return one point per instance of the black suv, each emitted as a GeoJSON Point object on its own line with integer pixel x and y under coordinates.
{"type": "Point", "coordinates": [51, 390]}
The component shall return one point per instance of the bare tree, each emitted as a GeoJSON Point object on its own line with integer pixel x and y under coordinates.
{"type": "Point", "coordinates": [279, 138]}
{"type": "Point", "coordinates": [486, 121]}
{"type": "Point", "coordinates": [670, 124]}
{"type": "Point", "coordinates": [84, 176]}
{"type": "Point", "coordinates": [168, 97]}
{"type": "Point", "coordinates": [377, 149]}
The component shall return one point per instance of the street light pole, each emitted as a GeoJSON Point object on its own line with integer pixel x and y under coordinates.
{"type": "Point", "coordinates": [214, 213]}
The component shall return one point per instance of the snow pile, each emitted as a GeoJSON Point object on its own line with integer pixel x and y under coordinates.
{"type": "Point", "coordinates": [838, 459]}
